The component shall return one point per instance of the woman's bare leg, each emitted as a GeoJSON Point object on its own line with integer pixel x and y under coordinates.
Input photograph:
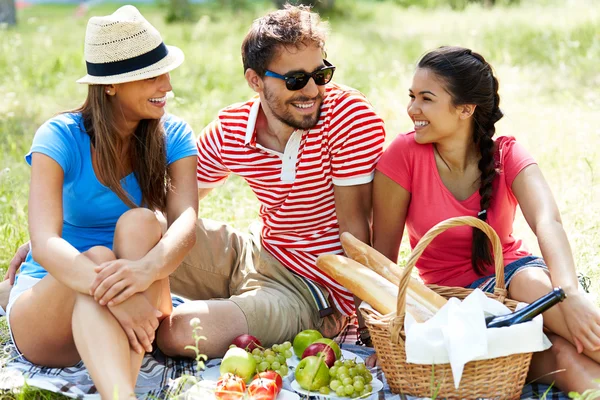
{"type": "Point", "coordinates": [130, 245]}
{"type": "Point", "coordinates": [82, 328]}
{"type": "Point", "coordinates": [563, 367]}
{"type": "Point", "coordinates": [74, 327]}
{"type": "Point", "coordinates": [579, 370]}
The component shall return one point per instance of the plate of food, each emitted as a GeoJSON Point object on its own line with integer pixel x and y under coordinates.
{"type": "Point", "coordinates": [376, 386]}
{"type": "Point", "coordinates": [346, 355]}
{"type": "Point", "coordinates": [214, 373]}
{"type": "Point", "coordinates": [205, 390]}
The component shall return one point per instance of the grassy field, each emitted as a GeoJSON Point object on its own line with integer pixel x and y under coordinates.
{"type": "Point", "coordinates": [546, 55]}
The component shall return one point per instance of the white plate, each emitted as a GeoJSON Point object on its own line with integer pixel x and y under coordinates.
{"type": "Point", "coordinates": [376, 383]}
{"type": "Point", "coordinates": [287, 395]}
{"type": "Point", "coordinates": [204, 390]}
{"type": "Point", "coordinates": [346, 355]}
{"type": "Point", "coordinates": [213, 373]}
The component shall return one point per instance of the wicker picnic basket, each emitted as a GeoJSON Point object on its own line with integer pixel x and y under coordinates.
{"type": "Point", "coordinates": [497, 378]}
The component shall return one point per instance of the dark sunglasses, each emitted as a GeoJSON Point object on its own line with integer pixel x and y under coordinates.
{"type": "Point", "coordinates": [297, 80]}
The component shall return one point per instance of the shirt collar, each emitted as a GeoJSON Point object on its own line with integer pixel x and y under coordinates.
{"type": "Point", "coordinates": [250, 128]}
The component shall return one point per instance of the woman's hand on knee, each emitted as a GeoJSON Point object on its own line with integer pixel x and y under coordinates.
{"type": "Point", "coordinates": [583, 321]}
{"type": "Point", "coordinates": [118, 280]}
{"type": "Point", "coordinates": [139, 320]}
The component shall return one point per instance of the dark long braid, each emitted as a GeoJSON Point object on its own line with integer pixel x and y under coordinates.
{"type": "Point", "coordinates": [470, 80]}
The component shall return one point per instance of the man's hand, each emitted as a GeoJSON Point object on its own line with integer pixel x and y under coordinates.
{"type": "Point", "coordinates": [372, 361]}
{"type": "Point", "coordinates": [16, 262]}
{"type": "Point", "coordinates": [118, 280]}
{"type": "Point", "coordinates": [139, 320]}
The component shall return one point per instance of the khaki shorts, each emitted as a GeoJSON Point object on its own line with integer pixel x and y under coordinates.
{"type": "Point", "coordinates": [230, 265]}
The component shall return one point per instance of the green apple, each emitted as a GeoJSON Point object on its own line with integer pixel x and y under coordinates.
{"type": "Point", "coordinates": [238, 362]}
{"type": "Point", "coordinates": [334, 346]}
{"type": "Point", "coordinates": [305, 339]}
{"type": "Point", "coordinates": [312, 373]}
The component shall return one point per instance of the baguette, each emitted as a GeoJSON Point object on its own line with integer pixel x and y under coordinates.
{"type": "Point", "coordinates": [420, 299]}
{"type": "Point", "coordinates": [361, 281]}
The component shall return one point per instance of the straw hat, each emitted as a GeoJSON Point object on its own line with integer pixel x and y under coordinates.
{"type": "Point", "coordinates": [124, 47]}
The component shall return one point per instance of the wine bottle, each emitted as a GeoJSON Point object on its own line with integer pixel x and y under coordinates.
{"type": "Point", "coordinates": [527, 313]}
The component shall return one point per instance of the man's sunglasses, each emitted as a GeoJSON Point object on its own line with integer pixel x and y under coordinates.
{"type": "Point", "coordinates": [297, 80]}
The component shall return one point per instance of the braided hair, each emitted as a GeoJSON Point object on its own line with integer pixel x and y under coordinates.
{"type": "Point", "coordinates": [469, 79]}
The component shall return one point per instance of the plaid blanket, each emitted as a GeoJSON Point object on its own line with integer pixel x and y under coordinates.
{"type": "Point", "coordinates": [160, 376]}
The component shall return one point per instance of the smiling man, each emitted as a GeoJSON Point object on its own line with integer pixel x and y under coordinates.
{"type": "Point", "coordinates": [308, 148]}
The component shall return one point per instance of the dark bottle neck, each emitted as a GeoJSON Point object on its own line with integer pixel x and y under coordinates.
{"type": "Point", "coordinates": [545, 302]}
{"type": "Point", "coordinates": [528, 312]}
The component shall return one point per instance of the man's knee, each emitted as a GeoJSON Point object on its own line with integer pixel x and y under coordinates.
{"type": "Point", "coordinates": [174, 334]}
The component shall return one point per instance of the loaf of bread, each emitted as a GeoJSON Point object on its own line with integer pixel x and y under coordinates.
{"type": "Point", "coordinates": [364, 283]}
{"type": "Point", "coordinates": [421, 302]}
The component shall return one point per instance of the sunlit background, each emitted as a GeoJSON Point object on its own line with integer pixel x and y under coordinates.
{"type": "Point", "coordinates": [546, 54]}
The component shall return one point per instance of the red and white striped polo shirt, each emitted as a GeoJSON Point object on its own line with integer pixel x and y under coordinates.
{"type": "Point", "coordinates": [295, 188]}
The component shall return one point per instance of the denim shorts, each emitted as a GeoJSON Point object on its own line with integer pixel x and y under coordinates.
{"type": "Point", "coordinates": [487, 283]}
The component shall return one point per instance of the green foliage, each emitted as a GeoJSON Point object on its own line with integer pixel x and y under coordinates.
{"type": "Point", "coordinates": [179, 11]}
{"type": "Point", "coordinates": [318, 5]}
{"type": "Point", "coordinates": [547, 67]}
{"type": "Point", "coordinates": [197, 335]}
{"type": "Point", "coordinates": [453, 4]}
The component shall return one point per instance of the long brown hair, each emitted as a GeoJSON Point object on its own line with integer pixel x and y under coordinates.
{"type": "Point", "coordinates": [147, 151]}
{"type": "Point", "coordinates": [469, 79]}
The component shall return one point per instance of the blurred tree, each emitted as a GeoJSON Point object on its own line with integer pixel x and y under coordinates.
{"type": "Point", "coordinates": [8, 12]}
{"type": "Point", "coordinates": [179, 11]}
{"type": "Point", "coordinates": [454, 4]}
{"type": "Point", "coordinates": [234, 4]}
{"type": "Point", "coordinates": [319, 5]}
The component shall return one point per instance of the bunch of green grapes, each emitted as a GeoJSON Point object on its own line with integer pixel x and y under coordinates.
{"type": "Point", "coordinates": [274, 358]}
{"type": "Point", "coordinates": [349, 379]}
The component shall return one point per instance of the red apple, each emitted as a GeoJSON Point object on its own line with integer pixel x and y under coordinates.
{"type": "Point", "coordinates": [333, 345]}
{"type": "Point", "coordinates": [321, 350]}
{"type": "Point", "coordinates": [247, 342]}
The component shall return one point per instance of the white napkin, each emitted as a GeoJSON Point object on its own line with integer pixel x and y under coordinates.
{"type": "Point", "coordinates": [457, 335]}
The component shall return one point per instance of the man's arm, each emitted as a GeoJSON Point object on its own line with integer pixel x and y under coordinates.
{"type": "Point", "coordinates": [203, 192]}
{"type": "Point", "coordinates": [353, 209]}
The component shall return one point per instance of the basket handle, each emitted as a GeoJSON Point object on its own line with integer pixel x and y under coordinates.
{"type": "Point", "coordinates": [500, 288]}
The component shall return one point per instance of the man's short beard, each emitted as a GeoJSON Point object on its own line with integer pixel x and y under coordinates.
{"type": "Point", "coordinates": [307, 122]}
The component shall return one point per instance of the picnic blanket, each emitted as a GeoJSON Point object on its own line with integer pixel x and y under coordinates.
{"type": "Point", "coordinates": [159, 374]}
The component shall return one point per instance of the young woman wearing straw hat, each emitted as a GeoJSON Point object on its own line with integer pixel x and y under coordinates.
{"type": "Point", "coordinates": [451, 166]}
{"type": "Point", "coordinates": [94, 284]}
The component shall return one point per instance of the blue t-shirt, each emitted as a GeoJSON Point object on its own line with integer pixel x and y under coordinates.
{"type": "Point", "coordinates": [90, 209]}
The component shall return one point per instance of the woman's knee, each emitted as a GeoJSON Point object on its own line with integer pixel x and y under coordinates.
{"type": "Point", "coordinates": [563, 351]}
{"type": "Point", "coordinates": [529, 284]}
{"type": "Point", "coordinates": [100, 254]}
{"type": "Point", "coordinates": [138, 221]}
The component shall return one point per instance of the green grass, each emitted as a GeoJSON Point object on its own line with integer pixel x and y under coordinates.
{"type": "Point", "coordinates": [546, 54]}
